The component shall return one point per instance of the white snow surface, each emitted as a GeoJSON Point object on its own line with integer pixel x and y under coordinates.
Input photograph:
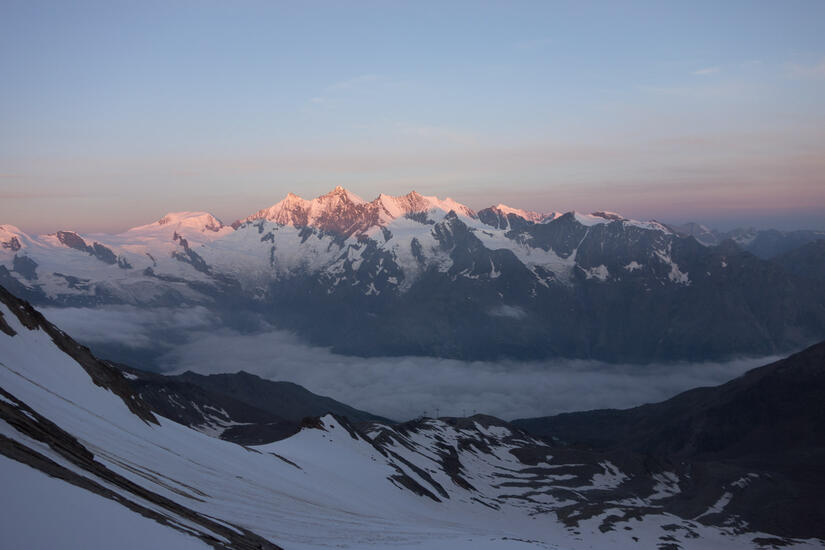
{"type": "Point", "coordinates": [528, 215]}
{"type": "Point", "coordinates": [50, 513]}
{"type": "Point", "coordinates": [320, 488]}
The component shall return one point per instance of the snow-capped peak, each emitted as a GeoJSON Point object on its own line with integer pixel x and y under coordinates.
{"type": "Point", "coordinates": [392, 207]}
{"type": "Point", "coordinates": [340, 193]}
{"type": "Point", "coordinates": [297, 211]}
{"type": "Point", "coordinates": [203, 221]}
{"type": "Point", "coordinates": [12, 238]}
{"type": "Point", "coordinates": [528, 215]}
{"type": "Point", "coordinates": [345, 212]}
{"type": "Point", "coordinates": [8, 230]}
{"type": "Point", "coordinates": [605, 217]}
{"type": "Point", "coordinates": [199, 221]}
{"type": "Point", "coordinates": [606, 214]}
{"type": "Point", "coordinates": [293, 198]}
{"type": "Point", "coordinates": [195, 226]}
{"type": "Point", "coordinates": [291, 210]}
{"type": "Point", "coordinates": [447, 205]}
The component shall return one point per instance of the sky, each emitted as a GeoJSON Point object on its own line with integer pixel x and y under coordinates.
{"type": "Point", "coordinates": [113, 113]}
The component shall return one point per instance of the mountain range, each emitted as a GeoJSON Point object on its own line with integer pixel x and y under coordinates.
{"type": "Point", "coordinates": [764, 243]}
{"type": "Point", "coordinates": [419, 275]}
{"type": "Point", "coordinates": [93, 449]}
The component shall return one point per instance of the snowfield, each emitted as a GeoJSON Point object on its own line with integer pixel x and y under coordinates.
{"type": "Point", "coordinates": [428, 484]}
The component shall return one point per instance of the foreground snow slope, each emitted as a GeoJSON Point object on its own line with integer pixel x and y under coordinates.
{"type": "Point", "coordinates": [466, 483]}
{"type": "Point", "coordinates": [76, 518]}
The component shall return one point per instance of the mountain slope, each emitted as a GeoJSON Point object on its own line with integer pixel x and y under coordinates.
{"type": "Point", "coordinates": [241, 407]}
{"type": "Point", "coordinates": [763, 243]}
{"type": "Point", "coordinates": [777, 403]}
{"type": "Point", "coordinates": [769, 422]}
{"type": "Point", "coordinates": [48, 383]}
{"type": "Point", "coordinates": [430, 483]}
{"type": "Point", "coordinates": [806, 262]}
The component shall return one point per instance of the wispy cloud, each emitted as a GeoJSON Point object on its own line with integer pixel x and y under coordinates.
{"type": "Point", "coordinates": [707, 71]}
{"type": "Point", "coordinates": [816, 70]}
{"type": "Point", "coordinates": [129, 326]}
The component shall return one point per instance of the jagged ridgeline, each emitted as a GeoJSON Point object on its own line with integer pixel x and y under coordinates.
{"type": "Point", "coordinates": [418, 275]}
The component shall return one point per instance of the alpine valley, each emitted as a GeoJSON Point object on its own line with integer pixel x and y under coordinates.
{"type": "Point", "coordinates": [418, 275]}
{"type": "Point", "coordinates": [99, 455]}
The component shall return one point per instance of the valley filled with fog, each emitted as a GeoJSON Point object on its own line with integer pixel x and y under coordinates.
{"type": "Point", "coordinates": [176, 340]}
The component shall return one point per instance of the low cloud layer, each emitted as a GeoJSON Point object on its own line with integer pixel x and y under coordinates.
{"type": "Point", "coordinates": [396, 387]}
{"type": "Point", "coordinates": [129, 326]}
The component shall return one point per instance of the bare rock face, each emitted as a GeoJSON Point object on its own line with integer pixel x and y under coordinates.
{"type": "Point", "coordinates": [12, 244]}
{"type": "Point", "coordinates": [99, 251]}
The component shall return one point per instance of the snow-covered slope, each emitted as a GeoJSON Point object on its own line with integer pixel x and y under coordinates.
{"type": "Point", "coordinates": [398, 260]}
{"type": "Point", "coordinates": [447, 483]}
{"type": "Point", "coordinates": [12, 239]}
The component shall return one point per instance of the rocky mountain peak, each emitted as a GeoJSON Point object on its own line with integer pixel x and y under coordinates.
{"type": "Point", "coordinates": [343, 212]}
{"type": "Point", "coordinates": [612, 216]}
{"type": "Point", "coordinates": [341, 194]}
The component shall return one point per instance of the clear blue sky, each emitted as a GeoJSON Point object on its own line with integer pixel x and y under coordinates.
{"type": "Point", "coordinates": [112, 113]}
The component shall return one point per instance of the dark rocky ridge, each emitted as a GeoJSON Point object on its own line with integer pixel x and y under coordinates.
{"type": "Point", "coordinates": [99, 251]}
{"type": "Point", "coordinates": [240, 407]}
{"type": "Point", "coordinates": [769, 422]}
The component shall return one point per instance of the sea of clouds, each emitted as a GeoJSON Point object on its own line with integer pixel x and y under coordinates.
{"type": "Point", "coordinates": [181, 339]}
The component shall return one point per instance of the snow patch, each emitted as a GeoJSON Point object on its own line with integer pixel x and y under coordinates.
{"type": "Point", "coordinates": [504, 310]}
{"type": "Point", "coordinates": [599, 272]}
